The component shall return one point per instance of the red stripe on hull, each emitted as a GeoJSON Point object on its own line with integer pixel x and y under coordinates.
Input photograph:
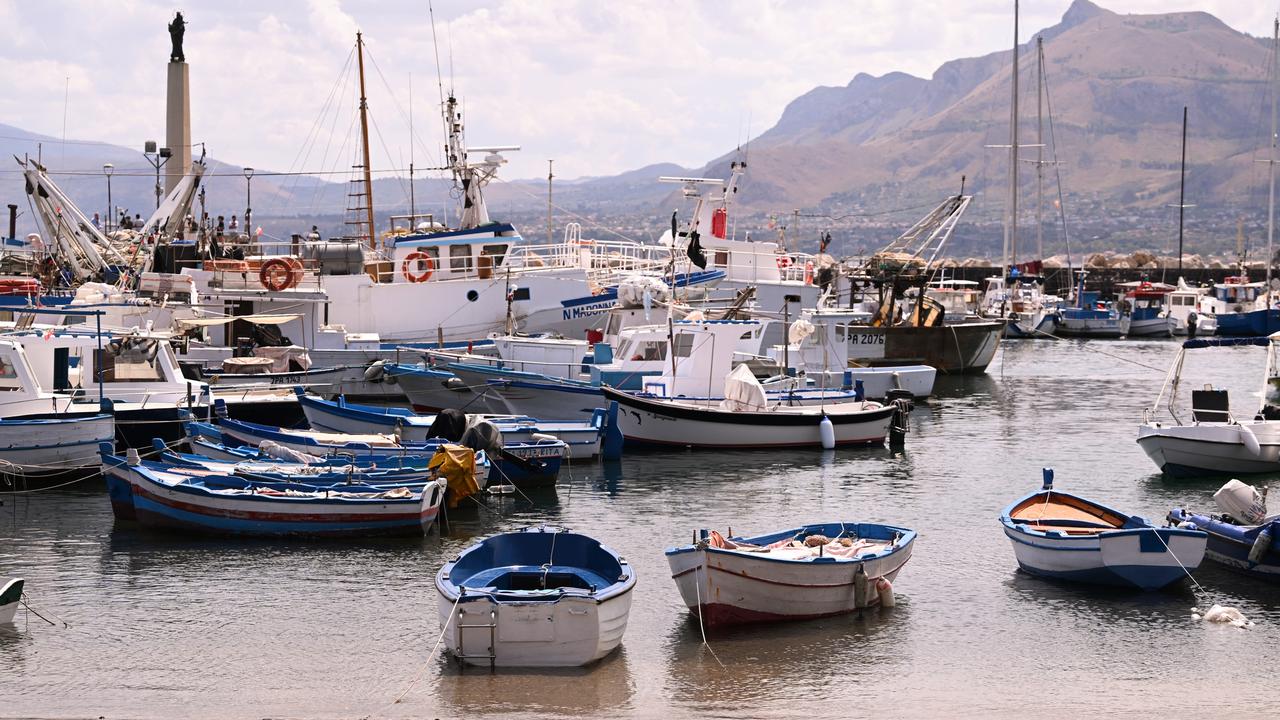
{"type": "Point", "coordinates": [720, 615]}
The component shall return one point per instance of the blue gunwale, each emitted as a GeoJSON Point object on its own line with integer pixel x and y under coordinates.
{"type": "Point", "coordinates": [871, 531]}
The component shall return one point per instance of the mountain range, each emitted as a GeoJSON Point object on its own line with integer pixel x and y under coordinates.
{"type": "Point", "coordinates": [1112, 106]}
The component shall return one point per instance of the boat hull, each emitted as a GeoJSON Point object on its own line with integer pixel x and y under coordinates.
{"type": "Point", "coordinates": [729, 588]}
{"type": "Point", "coordinates": [1148, 327]}
{"type": "Point", "coordinates": [658, 422]}
{"type": "Point", "coordinates": [10, 599]}
{"type": "Point", "coordinates": [568, 632]}
{"type": "Point", "coordinates": [57, 444]}
{"type": "Point", "coordinates": [1231, 545]}
{"type": "Point", "coordinates": [430, 390]}
{"type": "Point", "coordinates": [1256, 323]}
{"type": "Point", "coordinates": [959, 349]}
{"type": "Point", "coordinates": [162, 506]}
{"type": "Point", "coordinates": [1211, 448]}
{"type": "Point", "coordinates": [1141, 558]}
{"type": "Point", "coordinates": [1030, 327]}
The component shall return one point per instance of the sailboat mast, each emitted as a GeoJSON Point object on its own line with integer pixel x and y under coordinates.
{"type": "Point", "coordinates": [1271, 155]}
{"type": "Point", "coordinates": [1182, 188]}
{"type": "Point", "coordinates": [1011, 227]}
{"type": "Point", "coordinates": [364, 142]}
{"type": "Point", "coordinates": [1040, 148]}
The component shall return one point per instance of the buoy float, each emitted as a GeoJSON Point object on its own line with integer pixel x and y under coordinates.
{"type": "Point", "coordinates": [1250, 441]}
{"type": "Point", "coordinates": [885, 589]}
{"type": "Point", "coordinates": [827, 431]}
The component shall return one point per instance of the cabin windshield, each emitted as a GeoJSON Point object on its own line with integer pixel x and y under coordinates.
{"type": "Point", "coordinates": [130, 362]}
{"type": "Point", "coordinates": [8, 376]}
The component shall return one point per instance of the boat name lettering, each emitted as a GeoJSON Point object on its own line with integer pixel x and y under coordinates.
{"type": "Point", "coordinates": [598, 308]}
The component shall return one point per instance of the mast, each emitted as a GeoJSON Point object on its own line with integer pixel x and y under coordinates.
{"type": "Point", "coordinates": [1011, 228]}
{"type": "Point", "coordinates": [549, 178]}
{"type": "Point", "coordinates": [1182, 188]}
{"type": "Point", "coordinates": [364, 141]}
{"type": "Point", "coordinates": [1039, 147]}
{"type": "Point", "coordinates": [1271, 153]}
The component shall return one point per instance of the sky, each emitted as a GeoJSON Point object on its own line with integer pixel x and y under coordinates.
{"type": "Point", "coordinates": [600, 87]}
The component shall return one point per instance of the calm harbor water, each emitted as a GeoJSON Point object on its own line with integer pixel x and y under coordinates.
{"type": "Point", "coordinates": [165, 626]}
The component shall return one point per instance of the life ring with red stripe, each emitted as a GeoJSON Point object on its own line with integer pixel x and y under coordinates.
{"type": "Point", "coordinates": [417, 259]}
{"type": "Point", "coordinates": [279, 273]}
{"type": "Point", "coordinates": [783, 261]}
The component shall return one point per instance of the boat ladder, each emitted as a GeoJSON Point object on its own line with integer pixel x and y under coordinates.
{"type": "Point", "coordinates": [492, 626]}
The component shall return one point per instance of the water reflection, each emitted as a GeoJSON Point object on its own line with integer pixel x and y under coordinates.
{"type": "Point", "coordinates": [594, 691]}
{"type": "Point", "coordinates": [772, 663]}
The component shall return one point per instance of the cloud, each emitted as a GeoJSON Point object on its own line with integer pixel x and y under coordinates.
{"type": "Point", "coordinates": [600, 87]}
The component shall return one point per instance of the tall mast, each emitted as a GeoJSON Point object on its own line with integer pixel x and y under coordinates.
{"type": "Point", "coordinates": [549, 178]}
{"type": "Point", "coordinates": [1011, 229]}
{"type": "Point", "coordinates": [364, 141]}
{"type": "Point", "coordinates": [1271, 153]}
{"type": "Point", "coordinates": [1039, 147]}
{"type": "Point", "coordinates": [1182, 188]}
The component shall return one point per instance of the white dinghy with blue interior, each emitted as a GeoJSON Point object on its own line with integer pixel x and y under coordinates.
{"type": "Point", "coordinates": [1067, 537]}
{"type": "Point", "coordinates": [1213, 440]}
{"type": "Point", "coordinates": [537, 597]}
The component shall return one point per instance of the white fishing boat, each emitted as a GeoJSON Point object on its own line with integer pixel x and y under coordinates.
{"type": "Point", "coordinates": [1067, 537]}
{"type": "Point", "coordinates": [818, 351]}
{"type": "Point", "coordinates": [747, 419]}
{"type": "Point", "coordinates": [1144, 311]}
{"type": "Point", "coordinates": [538, 597]}
{"type": "Point", "coordinates": [10, 599]}
{"type": "Point", "coordinates": [808, 572]}
{"type": "Point", "coordinates": [43, 433]}
{"type": "Point", "coordinates": [1212, 439]}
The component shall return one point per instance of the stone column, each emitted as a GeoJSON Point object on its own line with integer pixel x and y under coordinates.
{"type": "Point", "coordinates": [178, 125]}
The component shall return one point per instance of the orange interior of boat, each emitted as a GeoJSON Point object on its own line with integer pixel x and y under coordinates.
{"type": "Point", "coordinates": [1049, 511]}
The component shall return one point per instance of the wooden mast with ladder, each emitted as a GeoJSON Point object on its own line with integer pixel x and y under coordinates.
{"type": "Point", "coordinates": [367, 194]}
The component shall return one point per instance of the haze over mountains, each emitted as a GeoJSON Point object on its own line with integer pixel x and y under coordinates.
{"type": "Point", "coordinates": [1116, 87]}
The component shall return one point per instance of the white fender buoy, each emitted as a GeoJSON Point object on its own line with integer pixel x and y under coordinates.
{"type": "Point", "coordinates": [1250, 441]}
{"type": "Point", "coordinates": [827, 431]}
{"type": "Point", "coordinates": [885, 590]}
{"type": "Point", "coordinates": [861, 589]}
{"type": "Point", "coordinates": [1261, 544]}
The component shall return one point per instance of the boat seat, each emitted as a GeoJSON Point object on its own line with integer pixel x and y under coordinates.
{"type": "Point", "coordinates": [529, 577]}
{"type": "Point", "coordinates": [1068, 527]}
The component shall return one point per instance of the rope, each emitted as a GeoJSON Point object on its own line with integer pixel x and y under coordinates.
{"type": "Point", "coordinates": [431, 654]}
{"type": "Point", "coordinates": [697, 586]}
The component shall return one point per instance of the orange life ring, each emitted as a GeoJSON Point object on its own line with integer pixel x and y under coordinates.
{"type": "Point", "coordinates": [808, 272]}
{"type": "Point", "coordinates": [417, 256]}
{"type": "Point", "coordinates": [278, 274]}
{"type": "Point", "coordinates": [783, 262]}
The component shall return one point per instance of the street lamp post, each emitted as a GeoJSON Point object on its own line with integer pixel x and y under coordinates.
{"type": "Point", "coordinates": [107, 169]}
{"type": "Point", "coordinates": [157, 158]}
{"type": "Point", "coordinates": [248, 202]}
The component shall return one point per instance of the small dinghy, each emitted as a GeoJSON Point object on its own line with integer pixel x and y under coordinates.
{"type": "Point", "coordinates": [1064, 536]}
{"type": "Point", "coordinates": [10, 599]}
{"type": "Point", "coordinates": [1241, 536]}
{"type": "Point", "coordinates": [537, 597]}
{"type": "Point", "coordinates": [808, 572]}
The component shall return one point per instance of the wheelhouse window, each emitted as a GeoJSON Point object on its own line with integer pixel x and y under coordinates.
{"type": "Point", "coordinates": [649, 350]}
{"type": "Point", "coordinates": [684, 345]}
{"type": "Point", "coordinates": [460, 258]}
{"type": "Point", "coordinates": [8, 376]}
{"type": "Point", "coordinates": [721, 258]}
{"type": "Point", "coordinates": [130, 361]}
{"type": "Point", "coordinates": [497, 252]}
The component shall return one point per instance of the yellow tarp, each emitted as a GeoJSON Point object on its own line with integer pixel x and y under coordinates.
{"type": "Point", "coordinates": [457, 464]}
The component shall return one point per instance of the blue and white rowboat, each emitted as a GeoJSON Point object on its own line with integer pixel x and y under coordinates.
{"type": "Point", "coordinates": [1064, 536]}
{"type": "Point", "coordinates": [230, 505]}
{"type": "Point", "coordinates": [539, 597]}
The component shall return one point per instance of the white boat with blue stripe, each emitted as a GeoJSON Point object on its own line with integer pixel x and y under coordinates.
{"type": "Point", "coordinates": [1063, 536]}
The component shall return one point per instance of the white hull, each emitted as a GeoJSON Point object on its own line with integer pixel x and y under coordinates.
{"type": "Point", "coordinates": [1211, 448]}
{"type": "Point", "coordinates": [55, 445]}
{"type": "Point", "coordinates": [567, 632]}
{"type": "Point", "coordinates": [10, 599]}
{"type": "Point", "coordinates": [431, 394]}
{"type": "Point", "coordinates": [1090, 327]}
{"type": "Point", "coordinates": [739, 588]}
{"type": "Point", "coordinates": [877, 382]}
{"type": "Point", "coordinates": [686, 425]}
{"type": "Point", "coordinates": [1154, 327]}
{"type": "Point", "coordinates": [1112, 558]}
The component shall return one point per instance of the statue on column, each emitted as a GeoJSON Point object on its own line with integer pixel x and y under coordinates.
{"type": "Point", "coordinates": [176, 30]}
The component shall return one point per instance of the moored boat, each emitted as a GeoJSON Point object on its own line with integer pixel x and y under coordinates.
{"type": "Point", "coordinates": [538, 597]}
{"type": "Point", "coordinates": [1241, 536]}
{"type": "Point", "coordinates": [808, 572]}
{"type": "Point", "coordinates": [233, 505]}
{"type": "Point", "coordinates": [10, 599]}
{"type": "Point", "coordinates": [1067, 537]}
